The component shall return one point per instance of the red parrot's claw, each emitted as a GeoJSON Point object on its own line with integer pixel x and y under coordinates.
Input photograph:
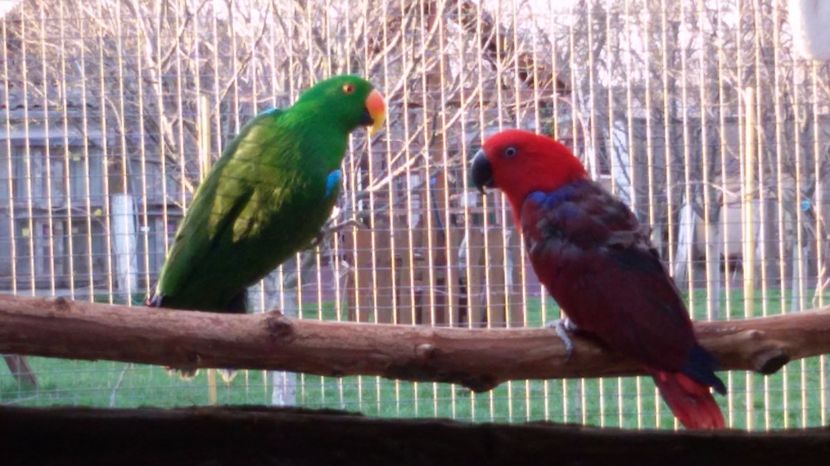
{"type": "Point", "coordinates": [562, 327]}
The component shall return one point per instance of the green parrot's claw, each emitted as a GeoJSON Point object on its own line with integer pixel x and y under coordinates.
{"type": "Point", "coordinates": [183, 373]}
{"type": "Point", "coordinates": [317, 240]}
{"type": "Point", "coordinates": [227, 375]}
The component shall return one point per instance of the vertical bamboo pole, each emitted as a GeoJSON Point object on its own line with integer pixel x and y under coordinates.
{"type": "Point", "coordinates": [750, 155]}
{"type": "Point", "coordinates": [204, 136]}
{"type": "Point", "coordinates": [203, 142]}
{"type": "Point", "coordinates": [211, 377]}
{"type": "Point", "coordinates": [748, 254]}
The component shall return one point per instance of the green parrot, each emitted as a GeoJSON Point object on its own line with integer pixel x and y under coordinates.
{"type": "Point", "coordinates": [266, 198]}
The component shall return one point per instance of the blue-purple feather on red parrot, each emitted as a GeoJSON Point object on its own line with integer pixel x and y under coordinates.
{"type": "Point", "coordinates": [596, 260]}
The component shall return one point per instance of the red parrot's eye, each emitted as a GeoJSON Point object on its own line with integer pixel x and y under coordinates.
{"type": "Point", "coordinates": [510, 151]}
{"type": "Point", "coordinates": [348, 88]}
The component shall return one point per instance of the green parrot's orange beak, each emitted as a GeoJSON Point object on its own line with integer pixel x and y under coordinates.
{"type": "Point", "coordinates": [376, 107]}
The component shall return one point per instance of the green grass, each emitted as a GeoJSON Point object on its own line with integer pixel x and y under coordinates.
{"type": "Point", "coordinates": [788, 398]}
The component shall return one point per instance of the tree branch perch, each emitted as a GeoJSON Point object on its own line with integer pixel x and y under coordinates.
{"type": "Point", "coordinates": [476, 358]}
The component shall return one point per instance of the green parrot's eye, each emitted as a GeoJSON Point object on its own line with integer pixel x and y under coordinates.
{"type": "Point", "coordinates": [348, 88]}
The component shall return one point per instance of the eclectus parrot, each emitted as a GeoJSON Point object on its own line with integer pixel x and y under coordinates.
{"type": "Point", "coordinates": [594, 257]}
{"type": "Point", "coordinates": [267, 196]}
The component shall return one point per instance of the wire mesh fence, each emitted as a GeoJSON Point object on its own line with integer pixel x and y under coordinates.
{"type": "Point", "coordinates": [699, 114]}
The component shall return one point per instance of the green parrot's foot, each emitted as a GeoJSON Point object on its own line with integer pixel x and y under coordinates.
{"type": "Point", "coordinates": [227, 375]}
{"type": "Point", "coordinates": [184, 374]}
{"type": "Point", "coordinates": [563, 327]}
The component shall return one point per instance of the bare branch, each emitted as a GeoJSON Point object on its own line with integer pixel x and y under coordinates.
{"type": "Point", "coordinates": [477, 358]}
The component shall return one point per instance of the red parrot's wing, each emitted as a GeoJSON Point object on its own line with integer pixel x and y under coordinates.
{"type": "Point", "coordinates": [596, 260]}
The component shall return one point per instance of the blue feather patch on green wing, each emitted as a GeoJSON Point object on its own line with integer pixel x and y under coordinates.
{"type": "Point", "coordinates": [332, 181]}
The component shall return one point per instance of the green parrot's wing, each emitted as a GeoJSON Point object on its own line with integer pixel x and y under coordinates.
{"type": "Point", "coordinates": [221, 210]}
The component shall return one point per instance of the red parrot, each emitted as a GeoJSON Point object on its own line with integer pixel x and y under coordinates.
{"type": "Point", "coordinates": [596, 260]}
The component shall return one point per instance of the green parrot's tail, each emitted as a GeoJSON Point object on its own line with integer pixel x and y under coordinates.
{"type": "Point", "coordinates": [239, 303]}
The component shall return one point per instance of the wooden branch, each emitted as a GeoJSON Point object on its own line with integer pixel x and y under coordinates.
{"type": "Point", "coordinates": [272, 436]}
{"type": "Point", "coordinates": [477, 358]}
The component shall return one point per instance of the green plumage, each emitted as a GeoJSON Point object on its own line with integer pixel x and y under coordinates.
{"type": "Point", "coordinates": [266, 198]}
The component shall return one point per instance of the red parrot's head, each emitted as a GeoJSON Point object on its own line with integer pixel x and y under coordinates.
{"type": "Point", "coordinates": [521, 162]}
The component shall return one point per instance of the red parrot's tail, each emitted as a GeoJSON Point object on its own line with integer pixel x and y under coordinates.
{"type": "Point", "coordinates": [690, 401]}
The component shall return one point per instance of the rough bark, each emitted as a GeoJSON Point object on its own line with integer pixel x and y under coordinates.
{"type": "Point", "coordinates": [477, 358]}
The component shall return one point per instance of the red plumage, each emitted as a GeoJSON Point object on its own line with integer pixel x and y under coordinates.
{"type": "Point", "coordinates": [596, 260]}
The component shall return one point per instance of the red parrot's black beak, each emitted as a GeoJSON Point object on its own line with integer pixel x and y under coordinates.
{"type": "Point", "coordinates": [481, 172]}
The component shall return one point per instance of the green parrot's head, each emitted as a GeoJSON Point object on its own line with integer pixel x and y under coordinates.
{"type": "Point", "coordinates": [350, 100]}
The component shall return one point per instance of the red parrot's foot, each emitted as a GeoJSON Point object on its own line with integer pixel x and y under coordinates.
{"type": "Point", "coordinates": [562, 327]}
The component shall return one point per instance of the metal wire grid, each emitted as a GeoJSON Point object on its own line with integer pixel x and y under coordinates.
{"type": "Point", "coordinates": [698, 114]}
